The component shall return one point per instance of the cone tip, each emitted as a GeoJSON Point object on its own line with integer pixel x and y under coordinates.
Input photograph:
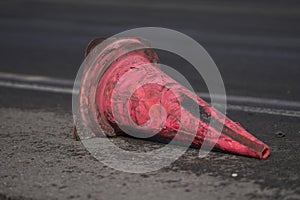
{"type": "Point", "coordinates": [265, 152]}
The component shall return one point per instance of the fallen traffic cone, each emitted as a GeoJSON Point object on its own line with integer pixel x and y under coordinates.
{"type": "Point", "coordinates": [104, 91]}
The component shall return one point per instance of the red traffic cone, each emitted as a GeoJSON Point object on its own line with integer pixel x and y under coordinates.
{"type": "Point", "coordinates": [104, 92]}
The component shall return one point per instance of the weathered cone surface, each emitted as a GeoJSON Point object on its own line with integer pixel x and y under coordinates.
{"type": "Point", "coordinates": [105, 91]}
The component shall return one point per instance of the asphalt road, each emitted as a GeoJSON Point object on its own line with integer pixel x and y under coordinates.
{"type": "Point", "coordinates": [256, 46]}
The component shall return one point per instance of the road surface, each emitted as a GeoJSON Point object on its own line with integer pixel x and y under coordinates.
{"type": "Point", "coordinates": [256, 46]}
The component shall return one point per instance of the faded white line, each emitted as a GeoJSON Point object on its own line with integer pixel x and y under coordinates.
{"type": "Point", "coordinates": [48, 84]}
{"type": "Point", "coordinates": [35, 79]}
{"type": "Point", "coordinates": [271, 111]}
{"type": "Point", "coordinates": [254, 100]}
{"type": "Point", "coordinates": [36, 87]}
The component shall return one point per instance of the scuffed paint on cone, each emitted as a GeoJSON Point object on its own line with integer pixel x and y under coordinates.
{"type": "Point", "coordinates": [99, 98]}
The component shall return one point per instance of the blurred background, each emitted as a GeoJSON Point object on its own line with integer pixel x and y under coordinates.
{"type": "Point", "coordinates": [255, 44]}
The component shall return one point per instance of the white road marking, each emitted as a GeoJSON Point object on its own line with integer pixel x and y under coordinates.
{"type": "Point", "coordinates": [271, 111]}
{"type": "Point", "coordinates": [255, 100]}
{"type": "Point", "coordinates": [35, 79]}
{"type": "Point", "coordinates": [48, 84]}
{"type": "Point", "coordinates": [27, 86]}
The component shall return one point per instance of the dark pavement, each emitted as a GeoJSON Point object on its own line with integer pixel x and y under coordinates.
{"type": "Point", "coordinates": [256, 46]}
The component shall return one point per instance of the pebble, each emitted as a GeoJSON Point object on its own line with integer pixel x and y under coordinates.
{"type": "Point", "coordinates": [280, 134]}
{"type": "Point", "coordinates": [234, 174]}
